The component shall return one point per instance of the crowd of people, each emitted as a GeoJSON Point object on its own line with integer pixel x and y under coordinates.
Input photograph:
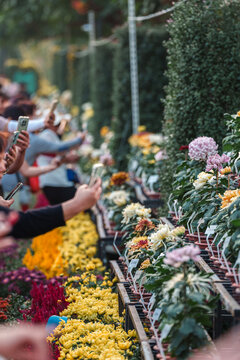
{"type": "Point", "coordinates": [38, 152]}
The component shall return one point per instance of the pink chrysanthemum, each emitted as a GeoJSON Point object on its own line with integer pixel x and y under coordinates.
{"type": "Point", "coordinates": [216, 161]}
{"type": "Point", "coordinates": [202, 147]}
{"type": "Point", "coordinates": [176, 257]}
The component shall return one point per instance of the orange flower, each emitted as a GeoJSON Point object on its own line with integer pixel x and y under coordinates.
{"type": "Point", "coordinates": [226, 170]}
{"type": "Point", "coordinates": [104, 131]}
{"type": "Point", "coordinates": [144, 224]}
{"type": "Point", "coordinates": [145, 264]}
{"type": "Point", "coordinates": [119, 178]}
{"type": "Point", "coordinates": [141, 244]}
{"type": "Point", "coordinates": [228, 197]}
{"type": "Point", "coordinates": [140, 140]}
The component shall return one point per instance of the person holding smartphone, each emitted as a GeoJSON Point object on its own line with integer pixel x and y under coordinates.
{"type": "Point", "coordinates": [39, 221]}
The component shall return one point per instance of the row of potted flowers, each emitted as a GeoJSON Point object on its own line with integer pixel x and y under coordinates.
{"type": "Point", "coordinates": [159, 264]}
{"type": "Point", "coordinates": [62, 277]}
{"type": "Point", "coordinates": [206, 200]}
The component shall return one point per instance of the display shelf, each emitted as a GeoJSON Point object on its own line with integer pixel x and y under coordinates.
{"type": "Point", "coordinates": [146, 351]}
{"type": "Point", "coordinates": [222, 287]}
{"type": "Point", "coordinates": [105, 241]}
{"type": "Point", "coordinates": [136, 323]}
{"type": "Point", "coordinates": [116, 267]}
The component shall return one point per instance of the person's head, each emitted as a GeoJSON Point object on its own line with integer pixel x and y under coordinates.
{"type": "Point", "coordinates": [29, 108]}
{"type": "Point", "coordinates": [13, 112]}
{"type": "Point", "coordinates": [2, 155]}
{"type": "Point", "coordinates": [4, 101]}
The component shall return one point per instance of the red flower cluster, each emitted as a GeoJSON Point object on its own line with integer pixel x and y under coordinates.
{"type": "Point", "coordinates": [142, 244]}
{"type": "Point", "coordinates": [183, 147]}
{"type": "Point", "coordinates": [46, 301]}
{"type": "Point", "coordinates": [3, 307]}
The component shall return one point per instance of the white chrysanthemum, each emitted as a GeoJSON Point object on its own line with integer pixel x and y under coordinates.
{"type": "Point", "coordinates": [119, 197]}
{"type": "Point", "coordinates": [134, 210]}
{"type": "Point", "coordinates": [157, 139]}
{"type": "Point", "coordinates": [85, 150]}
{"type": "Point", "coordinates": [202, 179]}
{"type": "Point", "coordinates": [157, 238]}
{"type": "Point", "coordinates": [173, 281]}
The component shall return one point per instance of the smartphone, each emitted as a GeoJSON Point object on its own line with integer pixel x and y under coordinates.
{"type": "Point", "coordinates": [13, 192]}
{"type": "Point", "coordinates": [53, 106]}
{"type": "Point", "coordinates": [22, 123]}
{"type": "Point", "coordinates": [97, 172]}
{"type": "Point", "coordinates": [14, 138]}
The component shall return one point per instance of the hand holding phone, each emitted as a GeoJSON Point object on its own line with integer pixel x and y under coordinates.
{"type": "Point", "coordinates": [14, 191]}
{"type": "Point", "coordinates": [97, 172]}
{"type": "Point", "coordinates": [23, 123]}
{"type": "Point", "coordinates": [22, 126]}
{"type": "Point", "coordinates": [53, 106]}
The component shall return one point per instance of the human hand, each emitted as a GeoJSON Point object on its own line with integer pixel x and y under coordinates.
{"type": "Point", "coordinates": [49, 120]}
{"type": "Point", "coordinates": [23, 141]}
{"type": "Point", "coordinates": [10, 156]}
{"type": "Point", "coordinates": [6, 203]}
{"type": "Point", "coordinates": [71, 157]}
{"type": "Point", "coordinates": [55, 163]}
{"type": "Point", "coordinates": [24, 342]}
{"type": "Point", "coordinates": [86, 196]}
{"type": "Point", "coordinates": [82, 135]}
{"type": "Point", "coordinates": [6, 222]}
{"type": "Point", "coordinates": [226, 347]}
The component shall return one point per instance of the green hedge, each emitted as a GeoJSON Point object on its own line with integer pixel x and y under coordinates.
{"type": "Point", "coordinates": [203, 69]}
{"type": "Point", "coordinates": [152, 65]}
{"type": "Point", "coordinates": [101, 89]}
{"type": "Point", "coordinates": [60, 70]}
{"type": "Point", "coordinates": [203, 73]}
{"type": "Point", "coordinates": [82, 86]}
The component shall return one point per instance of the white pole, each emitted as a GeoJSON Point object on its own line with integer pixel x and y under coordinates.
{"type": "Point", "coordinates": [133, 65]}
{"type": "Point", "coordinates": [92, 30]}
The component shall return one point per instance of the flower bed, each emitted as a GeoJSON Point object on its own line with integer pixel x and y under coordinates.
{"type": "Point", "coordinates": [63, 277]}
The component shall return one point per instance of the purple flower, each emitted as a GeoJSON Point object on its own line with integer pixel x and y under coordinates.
{"type": "Point", "coordinates": [202, 147]}
{"type": "Point", "coordinates": [216, 161]}
{"type": "Point", "coordinates": [176, 257]}
{"type": "Point", "coordinates": [161, 155]}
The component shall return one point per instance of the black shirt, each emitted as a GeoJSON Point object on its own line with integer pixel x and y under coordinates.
{"type": "Point", "coordinates": [36, 222]}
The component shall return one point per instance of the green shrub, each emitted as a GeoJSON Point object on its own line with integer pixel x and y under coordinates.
{"type": "Point", "coordinates": [203, 69]}
{"type": "Point", "coordinates": [152, 64]}
{"type": "Point", "coordinates": [60, 73]}
{"type": "Point", "coordinates": [82, 81]}
{"type": "Point", "coordinates": [101, 89]}
{"type": "Point", "coordinates": [203, 73]}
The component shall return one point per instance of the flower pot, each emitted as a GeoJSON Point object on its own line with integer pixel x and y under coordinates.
{"type": "Point", "coordinates": [202, 245]}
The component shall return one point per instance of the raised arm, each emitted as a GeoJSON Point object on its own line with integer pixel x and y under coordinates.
{"type": "Point", "coordinates": [39, 221]}
{"type": "Point", "coordinates": [29, 171]}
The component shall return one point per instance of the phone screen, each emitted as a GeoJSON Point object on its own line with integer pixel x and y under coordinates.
{"type": "Point", "coordinates": [13, 192]}
{"type": "Point", "coordinates": [97, 172]}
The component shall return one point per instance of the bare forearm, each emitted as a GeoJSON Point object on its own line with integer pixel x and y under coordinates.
{"type": "Point", "coordinates": [70, 209]}
{"type": "Point", "coordinates": [18, 163]}
{"type": "Point", "coordinates": [31, 171]}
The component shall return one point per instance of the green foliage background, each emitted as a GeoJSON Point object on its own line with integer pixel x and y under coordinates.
{"type": "Point", "coordinates": [203, 73]}
{"type": "Point", "coordinates": [152, 65]}
{"type": "Point", "coordinates": [59, 70]}
{"type": "Point", "coordinates": [82, 87]}
{"type": "Point", "coordinates": [101, 89]}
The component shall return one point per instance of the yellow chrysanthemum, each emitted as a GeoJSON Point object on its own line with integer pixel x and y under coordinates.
{"type": "Point", "coordinates": [228, 197]}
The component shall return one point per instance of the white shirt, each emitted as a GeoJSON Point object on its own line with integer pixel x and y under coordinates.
{"type": "Point", "coordinates": [56, 177]}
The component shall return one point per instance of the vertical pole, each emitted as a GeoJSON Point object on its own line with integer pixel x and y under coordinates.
{"type": "Point", "coordinates": [92, 30]}
{"type": "Point", "coordinates": [133, 65]}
